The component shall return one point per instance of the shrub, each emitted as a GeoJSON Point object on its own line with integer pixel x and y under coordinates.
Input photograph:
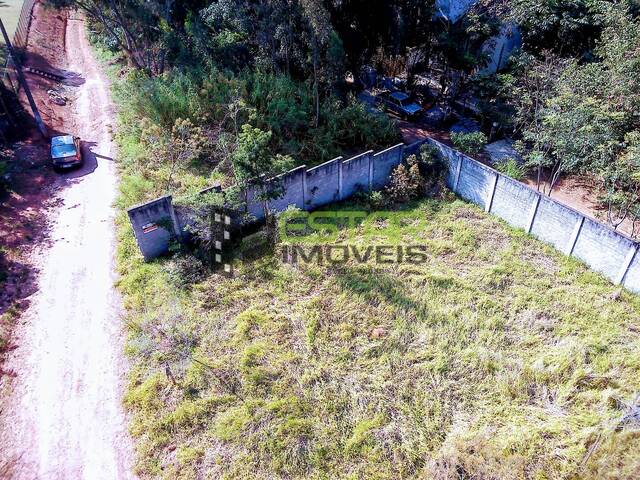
{"type": "Point", "coordinates": [371, 200]}
{"type": "Point", "coordinates": [511, 168]}
{"type": "Point", "coordinates": [406, 181]}
{"type": "Point", "coordinates": [185, 270]}
{"type": "Point", "coordinates": [470, 143]}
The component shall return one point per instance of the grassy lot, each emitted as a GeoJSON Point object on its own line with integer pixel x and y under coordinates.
{"type": "Point", "coordinates": [497, 358]}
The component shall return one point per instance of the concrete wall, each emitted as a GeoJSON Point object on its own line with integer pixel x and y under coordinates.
{"type": "Point", "coordinates": [601, 248]}
{"type": "Point", "coordinates": [555, 224]}
{"type": "Point", "coordinates": [474, 182]}
{"type": "Point", "coordinates": [292, 184]}
{"type": "Point", "coordinates": [383, 164]}
{"type": "Point", "coordinates": [254, 206]}
{"type": "Point", "coordinates": [631, 277]}
{"type": "Point", "coordinates": [322, 184]}
{"type": "Point", "coordinates": [513, 202]}
{"type": "Point", "coordinates": [356, 174]}
{"type": "Point", "coordinates": [303, 188]}
{"type": "Point", "coordinates": [154, 224]}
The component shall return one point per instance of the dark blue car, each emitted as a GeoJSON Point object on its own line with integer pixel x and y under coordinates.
{"type": "Point", "coordinates": [399, 103]}
{"type": "Point", "coordinates": [65, 152]}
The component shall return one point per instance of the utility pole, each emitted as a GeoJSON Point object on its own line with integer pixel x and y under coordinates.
{"type": "Point", "coordinates": [23, 82]}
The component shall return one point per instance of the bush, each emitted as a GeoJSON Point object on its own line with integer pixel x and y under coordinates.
{"type": "Point", "coordinates": [185, 270]}
{"type": "Point", "coordinates": [406, 182]}
{"type": "Point", "coordinates": [371, 200]}
{"type": "Point", "coordinates": [470, 143]}
{"type": "Point", "coordinates": [511, 168]}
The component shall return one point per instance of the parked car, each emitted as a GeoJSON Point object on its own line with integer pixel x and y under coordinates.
{"type": "Point", "coordinates": [65, 152]}
{"type": "Point", "coordinates": [399, 103]}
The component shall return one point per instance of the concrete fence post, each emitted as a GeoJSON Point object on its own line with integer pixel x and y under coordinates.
{"type": "Point", "coordinates": [340, 163]}
{"type": "Point", "coordinates": [458, 170]}
{"type": "Point", "coordinates": [622, 274]}
{"type": "Point", "coordinates": [574, 236]}
{"type": "Point", "coordinates": [533, 212]}
{"type": "Point", "coordinates": [304, 186]}
{"type": "Point", "coordinates": [492, 193]}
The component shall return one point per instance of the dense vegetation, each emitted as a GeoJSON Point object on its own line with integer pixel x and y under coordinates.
{"type": "Point", "coordinates": [13, 127]}
{"type": "Point", "coordinates": [570, 97]}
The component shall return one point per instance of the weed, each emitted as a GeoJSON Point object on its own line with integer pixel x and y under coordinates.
{"type": "Point", "coordinates": [511, 168]}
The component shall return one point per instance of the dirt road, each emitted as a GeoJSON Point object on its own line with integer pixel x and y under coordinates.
{"type": "Point", "coordinates": [61, 416]}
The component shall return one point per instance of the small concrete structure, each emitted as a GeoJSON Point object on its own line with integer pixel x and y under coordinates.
{"type": "Point", "coordinates": [154, 226]}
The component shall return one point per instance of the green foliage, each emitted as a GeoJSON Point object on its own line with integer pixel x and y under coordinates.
{"type": "Point", "coordinates": [253, 158]}
{"type": "Point", "coordinates": [470, 143]}
{"type": "Point", "coordinates": [361, 437]}
{"type": "Point", "coordinates": [570, 27]}
{"type": "Point", "coordinates": [230, 425]}
{"type": "Point", "coordinates": [248, 321]}
{"type": "Point", "coordinates": [512, 168]}
{"type": "Point", "coordinates": [574, 116]}
{"type": "Point", "coordinates": [4, 168]}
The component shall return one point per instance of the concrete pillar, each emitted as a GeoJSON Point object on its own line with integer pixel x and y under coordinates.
{"type": "Point", "coordinates": [458, 170]}
{"type": "Point", "coordinates": [492, 192]}
{"type": "Point", "coordinates": [627, 264]}
{"type": "Point", "coordinates": [304, 187]}
{"type": "Point", "coordinates": [340, 179]}
{"type": "Point", "coordinates": [533, 212]}
{"type": "Point", "coordinates": [574, 236]}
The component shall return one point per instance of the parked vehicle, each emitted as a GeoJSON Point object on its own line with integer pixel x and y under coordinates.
{"type": "Point", "coordinates": [65, 152]}
{"type": "Point", "coordinates": [399, 103]}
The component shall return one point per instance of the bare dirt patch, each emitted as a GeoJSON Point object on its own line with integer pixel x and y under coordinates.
{"type": "Point", "coordinates": [25, 208]}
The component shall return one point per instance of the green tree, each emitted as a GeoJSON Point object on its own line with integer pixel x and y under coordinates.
{"type": "Point", "coordinates": [567, 27]}
{"type": "Point", "coordinates": [255, 166]}
{"type": "Point", "coordinates": [621, 182]}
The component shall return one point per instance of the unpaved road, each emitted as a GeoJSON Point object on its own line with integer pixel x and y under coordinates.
{"type": "Point", "coordinates": [62, 416]}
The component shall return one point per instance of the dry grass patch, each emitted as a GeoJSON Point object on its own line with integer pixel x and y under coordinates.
{"type": "Point", "coordinates": [496, 359]}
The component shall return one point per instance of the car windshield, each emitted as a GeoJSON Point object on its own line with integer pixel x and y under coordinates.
{"type": "Point", "coordinates": [62, 147]}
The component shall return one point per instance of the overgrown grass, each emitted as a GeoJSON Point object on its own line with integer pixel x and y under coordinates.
{"type": "Point", "coordinates": [498, 358]}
